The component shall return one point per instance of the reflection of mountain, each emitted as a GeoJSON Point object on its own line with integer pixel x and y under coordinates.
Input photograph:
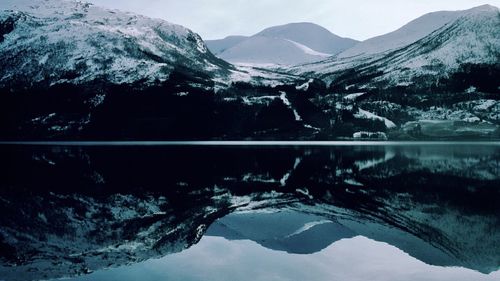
{"type": "Point", "coordinates": [297, 231]}
{"type": "Point", "coordinates": [85, 209]}
{"type": "Point", "coordinates": [290, 231]}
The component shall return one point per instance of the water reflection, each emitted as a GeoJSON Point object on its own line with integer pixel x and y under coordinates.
{"type": "Point", "coordinates": [358, 258]}
{"type": "Point", "coordinates": [77, 210]}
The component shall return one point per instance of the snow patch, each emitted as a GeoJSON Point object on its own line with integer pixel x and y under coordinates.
{"type": "Point", "coordinates": [308, 226]}
{"type": "Point", "coordinates": [353, 182]}
{"type": "Point", "coordinates": [353, 97]}
{"type": "Point", "coordinates": [366, 164]}
{"type": "Point", "coordinates": [370, 135]}
{"type": "Point", "coordinates": [289, 105]}
{"type": "Point", "coordinates": [304, 87]}
{"type": "Point", "coordinates": [363, 114]}
{"type": "Point", "coordinates": [308, 50]}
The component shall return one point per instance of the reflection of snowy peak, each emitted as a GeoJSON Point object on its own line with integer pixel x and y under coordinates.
{"type": "Point", "coordinates": [289, 44]}
{"type": "Point", "coordinates": [88, 208]}
{"type": "Point", "coordinates": [62, 41]}
{"type": "Point", "coordinates": [286, 230]}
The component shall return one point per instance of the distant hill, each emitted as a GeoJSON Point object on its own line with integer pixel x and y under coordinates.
{"type": "Point", "coordinates": [288, 44]}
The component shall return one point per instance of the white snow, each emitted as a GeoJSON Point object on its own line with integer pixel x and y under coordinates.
{"type": "Point", "coordinates": [258, 178]}
{"type": "Point", "coordinates": [289, 105]}
{"type": "Point", "coordinates": [366, 164]}
{"type": "Point", "coordinates": [363, 114]}
{"type": "Point", "coordinates": [485, 105]}
{"type": "Point", "coordinates": [256, 75]}
{"type": "Point", "coordinates": [304, 87]}
{"type": "Point", "coordinates": [456, 38]}
{"type": "Point", "coordinates": [305, 192]}
{"type": "Point", "coordinates": [311, 127]}
{"type": "Point", "coordinates": [259, 100]}
{"type": "Point", "coordinates": [406, 35]}
{"type": "Point", "coordinates": [308, 226]}
{"type": "Point", "coordinates": [44, 59]}
{"type": "Point", "coordinates": [289, 44]}
{"type": "Point", "coordinates": [308, 50]}
{"type": "Point", "coordinates": [370, 135]}
{"type": "Point", "coordinates": [285, 177]}
{"type": "Point", "coordinates": [353, 182]}
{"type": "Point", "coordinates": [353, 97]}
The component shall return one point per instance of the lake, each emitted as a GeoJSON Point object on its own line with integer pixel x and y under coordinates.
{"type": "Point", "coordinates": [250, 211]}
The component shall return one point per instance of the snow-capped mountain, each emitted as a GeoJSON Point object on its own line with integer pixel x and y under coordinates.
{"type": "Point", "coordinates": [311, 35]}
{"type": "Point", "coordinates": [404, 36]}
{"type": "Point", "coordinates": [469, 38]}
{"type": "Point", "coordinates": [68, 66]}
{"type": "Point", "coordinates": [56, 41]}
{"type": "Point", "coordinates": [289, 44]}
{"type": "Point", "coordinates": [445, 77]}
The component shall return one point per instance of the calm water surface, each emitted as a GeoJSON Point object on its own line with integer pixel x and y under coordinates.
{"type": "Point", "coordinates": [242, 211]}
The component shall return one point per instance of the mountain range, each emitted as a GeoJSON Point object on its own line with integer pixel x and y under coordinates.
{"type": "Point", "coordinates": [71, 70]}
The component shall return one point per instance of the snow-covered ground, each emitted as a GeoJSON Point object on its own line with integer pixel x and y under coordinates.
{"type": "Point", "coordinates": [285, 100]}
{"type": "Point", "coordinates": [363, 114]}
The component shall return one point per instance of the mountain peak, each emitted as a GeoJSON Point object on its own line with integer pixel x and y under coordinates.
{"type": "Point", "coordinates": [287, 44]}
{"type": "Point", "coordinates": [293, 25]}
{"type": "Point", "coordinates": [485, 8]}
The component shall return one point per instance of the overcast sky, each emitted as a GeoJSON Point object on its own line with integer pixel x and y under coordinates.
{"type": "Point", "coordinates": [358, 19]}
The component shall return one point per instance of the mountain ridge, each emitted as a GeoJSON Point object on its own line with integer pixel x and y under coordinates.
{"type": "Point", "coordinates": [282, 45]}
{"type": "Point", "coordinates": [93, 42]}
{"type": "Point", "coordinates": [470, 38]}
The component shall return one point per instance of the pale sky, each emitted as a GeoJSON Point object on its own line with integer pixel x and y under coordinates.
{"type": "Point", "coordinates": [357, 19]}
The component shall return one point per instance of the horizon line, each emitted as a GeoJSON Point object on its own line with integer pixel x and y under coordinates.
{"type": "Point", "coordinates": [247, 143]}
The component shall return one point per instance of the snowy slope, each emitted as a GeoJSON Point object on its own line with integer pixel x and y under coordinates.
{"type": "Point", "coordinates": [265, 50]}
{"type": "Point", "coordinates": [287, 45]}
{"type": "Point", "coordinates": [311, 35]}
{"type": "Point", "coordinates": [473, 38]}
{"type": "Point", "coordinates": [58, 41]}
{"type": "Point", "coordinates": [219, 46]}
{"type": "Point", "coordinates": [406, 35]}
